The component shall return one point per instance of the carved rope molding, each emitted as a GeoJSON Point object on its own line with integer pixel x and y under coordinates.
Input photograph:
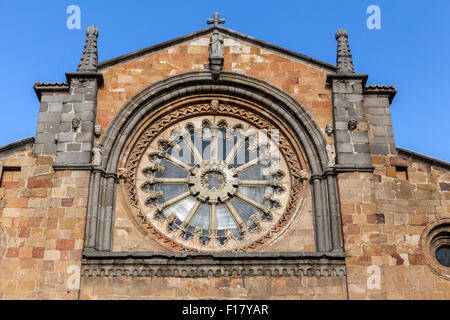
{"type": "Point", "coordinates": [190, 265]}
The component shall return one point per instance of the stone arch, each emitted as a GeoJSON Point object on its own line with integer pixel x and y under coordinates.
{"type": "Point", "coordinates": [103, 180]}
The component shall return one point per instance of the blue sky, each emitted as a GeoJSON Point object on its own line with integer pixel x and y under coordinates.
{"type": "Point", "coordinates": [411, 51]}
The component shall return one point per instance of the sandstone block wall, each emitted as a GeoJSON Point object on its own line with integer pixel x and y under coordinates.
{"type": "Point", "coordinates": [305, 83]}
{"type": "Point", "coordinates": [43, 214]}
{"type": "Point", "coordinates": [274, 288]}
{"type": "Point", "coordinates": [384, 216]}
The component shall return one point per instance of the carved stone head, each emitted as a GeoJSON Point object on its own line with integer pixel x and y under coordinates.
{"type": "Point", "coordinates": [76, 123]}
{"type": "Point", "coordinates": [329, 129]}
{"type": "Point", "coordinates": [352, 125]}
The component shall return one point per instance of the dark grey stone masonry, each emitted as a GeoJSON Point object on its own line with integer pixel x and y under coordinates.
{"type": "Point", "coordinates": [67, 118]}
{"type": "Point", "coordinates": [377, 101]}
{"type": "Point", "coordinates": [350, 123]}
{"type": "Point", "coordinates": [76, 127]}
{"type": "Point", "coordinates": [51, 97]}
{"type": "Point", "coordinates": [349, 117]}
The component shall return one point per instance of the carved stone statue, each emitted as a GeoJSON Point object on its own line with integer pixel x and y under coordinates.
{"type": "Point", "coordinates": [216, 45]}
{"type": "Point", "coordinates": [331, 156]}
{"type": "Point", "coordinates": [216, 49]}
{"type": "Point", "coordinates": [96, 155]}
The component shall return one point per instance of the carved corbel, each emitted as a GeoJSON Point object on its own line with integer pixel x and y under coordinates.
{"type": "Point", "coordinates": [329, 129]}
{"type": "Point", "coordinates": [123, 173]}
{"type": "Point", "coordinates": [304, 175]}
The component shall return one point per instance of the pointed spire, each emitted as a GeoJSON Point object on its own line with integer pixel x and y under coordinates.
{"type": "Point", "coordinates": [344, 59]}
{"type": "Point", "coordinates": [89, 59]}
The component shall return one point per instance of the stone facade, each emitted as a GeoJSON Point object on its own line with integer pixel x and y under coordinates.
{"type": "Point", "coordinates": [364, 217]}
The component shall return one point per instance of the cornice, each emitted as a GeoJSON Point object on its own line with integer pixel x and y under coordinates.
{"type": "Point", "coordinates": [391, 91]}
{"type": "Point", "coordinates": [196, 265]}
{"type": "Point", "coordinates": [348, 76]}
{"type": "Point", "coordinates": [40, 87]}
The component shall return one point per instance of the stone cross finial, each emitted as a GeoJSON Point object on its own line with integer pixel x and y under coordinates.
{"type": "Point", "coordinates": [89, 59]}
{"type": "Point", "coordinates": [344, 60]}
{"type": "Point", "coordinates": [216, 21]}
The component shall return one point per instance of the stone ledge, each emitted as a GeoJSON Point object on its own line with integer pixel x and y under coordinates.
{"type": "Point", "coordinates": [62, 167]}
{"type": "Point", "coordinates": [195, 265]}
{"type": "Point", "coordinates": [354, 168]}
{"type": "Point", "coordinates": [345, 76]}
{"type": "Point", "coordinates": [390, 91]}
{"type": "Point", "coordinates": [85, 75]}
{"type": "Point", "coordinates": [40, 87]}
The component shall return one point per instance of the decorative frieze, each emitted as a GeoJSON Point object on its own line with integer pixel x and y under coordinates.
{"type": "Point", "coordinates": [209, 265]}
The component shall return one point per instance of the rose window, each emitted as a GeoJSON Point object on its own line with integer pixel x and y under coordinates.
{"type": "Point", "coordinates": [212, 183]}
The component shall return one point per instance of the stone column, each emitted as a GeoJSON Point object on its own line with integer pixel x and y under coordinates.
{"type": "Point", "coordinates": [322, 223]}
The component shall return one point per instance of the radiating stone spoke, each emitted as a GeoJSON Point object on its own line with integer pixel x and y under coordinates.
{"type": "Point", "coordinates": [174, 201]}
{"type": "Point", "coordinates": [169, 180]}
{"type": "Point", "coordinates": [255, 183]}
{"type": "Point", "coordinates": [214, 145]}
{"type": "Point", "coordinates": [192, 213]}
{"type": "Point", "coordinates": [233, 152]}
{"type": "Point", "coordinates": [253, 203]}
{"type": "Point", "coordinates": [177, 162]}
{"type": "Point", "coordinates": [213, 221]}
{"type": "Point", "coordinates": [235, 215]}
{"type": "Point", "coordinates": [274, 183]}
{"type": "Point", "coordinates": [248, 165]}
{"type": "Point", "coordinates": [197, 156]}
